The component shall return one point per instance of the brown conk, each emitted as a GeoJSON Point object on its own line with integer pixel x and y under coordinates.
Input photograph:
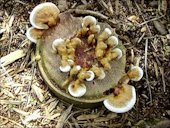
{"type": "Point", "coordinates": [81, 59]}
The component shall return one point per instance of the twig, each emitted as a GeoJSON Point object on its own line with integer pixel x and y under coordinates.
{"type": "Point", "coordinates": [88, 12]}
{"type": "Point", "coordinates": [95, 14]}
{"type": "Point", "coordinates": [141, 37]}
{"type": "Point", "coordinates": [140, 12]}
{"type": "Point", "coordinates": [105, 6]}
{"type": "Point", "coordinates": [12, 121]}
{"type": "Point", "coordinates": [145, 22]}
{"type": "Point", "coordinates": [146, 72]}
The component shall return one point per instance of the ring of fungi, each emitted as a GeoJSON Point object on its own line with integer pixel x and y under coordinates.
{"type": "Point", "coordinates": [82, 60]}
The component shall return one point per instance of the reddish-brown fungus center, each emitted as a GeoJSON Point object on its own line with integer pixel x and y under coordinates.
{"type": "Point", "coordinates": [85, 55]}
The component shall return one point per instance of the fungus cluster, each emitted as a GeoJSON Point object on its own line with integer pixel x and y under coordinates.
{"type": "Point", "coordinates": [86, 56]}
{"type": "Point", "coordinates": [42, 17]}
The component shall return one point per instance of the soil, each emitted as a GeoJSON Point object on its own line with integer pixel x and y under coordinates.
{"type": "Point", "coordinates": [143, 26]}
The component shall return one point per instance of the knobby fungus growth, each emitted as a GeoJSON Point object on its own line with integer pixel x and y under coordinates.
{"type": "Point", "coordinates": [87, 53]}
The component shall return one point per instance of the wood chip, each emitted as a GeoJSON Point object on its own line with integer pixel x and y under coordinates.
{"type": "Point", "coordinates": [133, 18]}
{"type": "Point", "coordinates": [63, 117]}
{"type": "Point", "coordinates": [8, 93]}
{"type": "Point", "coordinates": [87, 117]}
{"type": "Point", "coordinates": [156, 69]}
{"type": "Point", "coordinates": [2, 30]}
{"type": "Point", "coordinates": [13, 102]}
{"type": "Point", "coordinates": [101, 119]}
{"type": "Point", "coordinates": [162, 124]}
{"type": "Point", "coordinates": [55, 116]}
{"type": "Point", "coordinates": [20, 111]}
{"type": "Point", "coordinates": [11, 20]}
{"type": "Point", "coordinates": [39, 93]}
{"type": "Point", "coordinates": [163, 78]}
{"type": "Point", "coordinates": [13, 56]}
{"type": "Point", "coordinates": [62, 5]}
{"type": "Point", "coordinates": [34, 116]}
{"type": "Point", "coordinates": [160, 27]}
{"type": "Point", "coordinates": [52, 106]}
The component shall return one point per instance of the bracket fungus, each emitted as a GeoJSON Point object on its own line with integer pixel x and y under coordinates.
{"type": "Point", "coordinates": [81, 59]}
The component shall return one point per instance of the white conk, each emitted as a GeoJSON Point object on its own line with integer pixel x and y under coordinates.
{"type": "Point", "coordinates": [30, 35]}
{"type": "Point", "coordinates": [122, 103]}
{"type": "Point", "coordinates": [102, 75]}
{"type": "Point", "coordinates": [56, 43]}
{"type": "Point", "coordinates": [42, 14]}
{"type": "Point", "coordinates": [118, 52]}
{"type": "Point", "coordinates": [65, 68]}
{"type": "Point", "coordinates": [139, 73]}
{"type": "Point", "coordinates": [113, 40]}
{"type": "Point", "coordinates": [92, 75]}
{"type": "Point", "coordinates": [78, 91]}
{"type": "Point", "coordinates": [89, 21]}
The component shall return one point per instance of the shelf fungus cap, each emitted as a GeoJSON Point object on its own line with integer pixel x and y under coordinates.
{"type": "Point", "coordinates": [108, 31]}
{"type": "Point", "coordinates": [65, 68]}
{"type": "Point", "coordinates": [89, 21]}
{"type": "Point", "coordinates": [78, 67]}
{"type": "Point", "coordinates": [135, 73]}
{"type": "Point", "coordinates": [122, 102]}
{"type": "Point", "coordinates": [78, 91]}
{"type": "Point", "coordinates": [56, 43]}
{"type": "Point", "coordinates": [118, 53]}
{"type": "Point", "coordinates": [95, 29]}
{"type": "Point", "coordinates": [34, 34]}
{"type": "Point", "coordinates": [102, 75]}
{"type": "Point", "coordinates": [92, 76]}
{"type": "Point", "coordinates": [113, 40]}
{"type": "Point", "coordinates": [44, 15]}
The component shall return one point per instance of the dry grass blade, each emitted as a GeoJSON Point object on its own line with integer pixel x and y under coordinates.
{"type": "Point", "coordinates": [63, 117]}
{"type": "Point", "coordinates": [13, 56]}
